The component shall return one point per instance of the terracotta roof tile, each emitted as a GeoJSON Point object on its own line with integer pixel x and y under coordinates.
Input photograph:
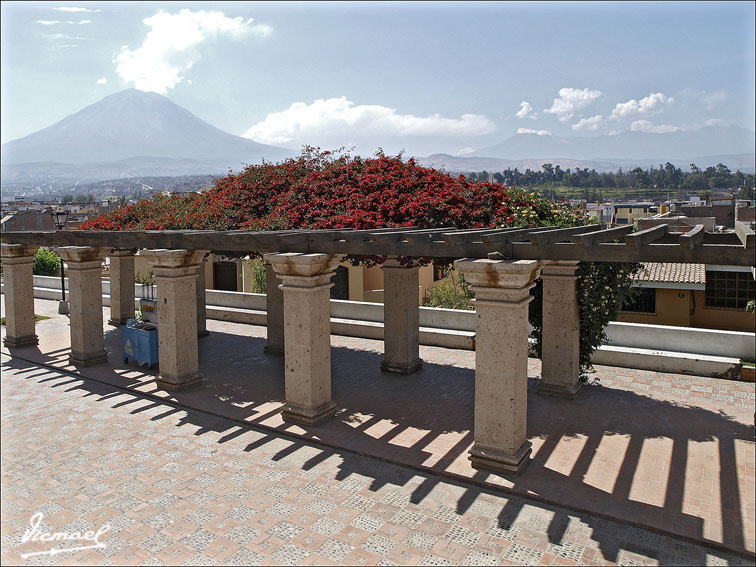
{"type": "Point", "coordinates": [673, 273]}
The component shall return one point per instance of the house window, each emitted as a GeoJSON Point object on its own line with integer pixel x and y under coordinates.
{"type": "Point", "coordinates": [622, 220]}
{"type": "Point", "coordinates": [642, 302]}
{"type": "Point", "coordinates": [729, 290]}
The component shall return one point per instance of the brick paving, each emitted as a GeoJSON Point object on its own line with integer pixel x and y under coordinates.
{"type": "Point", "coordinates": [170, 477]}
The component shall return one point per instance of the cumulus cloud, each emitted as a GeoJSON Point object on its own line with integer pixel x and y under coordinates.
{"type": "Point", "coordinates": [339, 120]}
{"type": "Point", "coordinates": [102, 81]}
{"type": "Point", "coordinates": [73, 9]}
{"type": "Point", "coordinates": [646, 126]}
{"type": "Point", "coordinates": [170, 47]}
{"type": "Point", "coordinates": [715, 122]}
{"type": "Point", "coordinates": [525, 110]}
{"type": "Point", "coordinates": [537, 132]}
{"type": "Point", "coordinates": [647, 106]}
{"type": "Point", "coordinates": [592, 123]}
{"type": "Point", "coordinates": [570, 100]}
{"type": "Point", "coordinates": [465, 151]}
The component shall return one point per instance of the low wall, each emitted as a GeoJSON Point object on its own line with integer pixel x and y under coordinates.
{"type": "Point", "coordinates": [634, 345]}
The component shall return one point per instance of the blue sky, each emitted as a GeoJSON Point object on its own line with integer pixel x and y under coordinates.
{"type": "Point", "coordinates": [426, 77]}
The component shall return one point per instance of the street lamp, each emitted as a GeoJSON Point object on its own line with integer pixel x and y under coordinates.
{"type": "Point", "coordinates": [60, 218]}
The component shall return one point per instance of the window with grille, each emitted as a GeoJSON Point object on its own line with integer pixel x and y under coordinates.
{"type": "Point", "coordinates": [642, 302]}
{"type": "Point", "coordinates": [729, 290]}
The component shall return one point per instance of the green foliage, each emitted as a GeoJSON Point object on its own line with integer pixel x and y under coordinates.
{"type": "Point", "coordinates": [259, 275]}
{"type": "Point", "coordinates": [603, 288]}
{"type": "Point", "coordinates": [145, 279]}
{"type": "Point", "coordinates": [453, 292]}
{"type": "Point", "coordinates": [751, 306]}
{"type": "Point", "coordinates": [46, 263]}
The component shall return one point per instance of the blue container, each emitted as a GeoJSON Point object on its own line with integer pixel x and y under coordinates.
{"type": "Point", "coordinates": [140, 343]}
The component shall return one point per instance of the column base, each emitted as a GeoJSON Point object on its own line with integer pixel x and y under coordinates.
{"type": "Point", "coordinates": [118, 322]}
{"type": "Point", "coordinates": [203, 333]}
{"type": "Point", "coordinates": [81, 359]}
{"type": "Point", "coordinates": [400, 368]}
{"type": "Point", "coordinates": [306, 416]}
{"type": "Point", "coordinates": [277, 350]}
{"type": "Point", "coordinates": [484, 458]}
{"type": "Point", "coordinates": [183, 384]}
{"type": "Point", "coordinates": [18, 342]}
{"type": "Point", "coordinates": [567, 391]}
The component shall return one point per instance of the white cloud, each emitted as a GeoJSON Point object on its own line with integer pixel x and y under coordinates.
{"type": "Point", "coordinates": [715, 122]}
{"type": "Point", "coordinates": [646, 126]}
{"type": "Point", "coordinates": [465, 151]}
{"type": "Point", "coordinates": [170, 47]}
{"type": "Point", "coordinates": [570, 101]}
{"type": "Point", "coordinates": [537, 132]}
{"type": "Point", "coordinates": [64, 36]}
{"type": "Point", "coordinates": [102, 81]}
{"type": "Point", "coordinates": [592, 123]}
{"type": "Point", "coordinates": [647, 106]}
{"type": "Point", "coordinates": [56, 22]}
{"type": "Point", "coordinates": [339, 120]}
{"type": "Point", "coordinates": [525, 110]}
{"type": "Point", "coordinates": [614, 132]}
{"type": "Point", "coordinates": [73, 9]}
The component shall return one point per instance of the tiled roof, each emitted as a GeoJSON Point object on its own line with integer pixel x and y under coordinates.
{"type": "Point", "coordinates": [673, 273]}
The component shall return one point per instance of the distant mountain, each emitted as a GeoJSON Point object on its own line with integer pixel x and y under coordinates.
{"type": "Point", "coordinates": [641, 146]}
{"type": "Point", "coordinates": [126, 125]}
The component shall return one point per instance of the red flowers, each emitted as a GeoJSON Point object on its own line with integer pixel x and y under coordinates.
{"type": "Point", "coordinates": [323, 190]}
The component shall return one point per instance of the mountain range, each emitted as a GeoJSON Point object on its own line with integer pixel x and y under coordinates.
{"type": "Point", "coordinates": [134, 133]}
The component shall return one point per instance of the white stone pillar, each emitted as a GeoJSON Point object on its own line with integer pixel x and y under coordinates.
{"type": "Point", "coordinates": [306, 281]}
{"type": "Point", "coordinates": [121, 287]}
{"type": "Point", "coordinates": [501, 361]}
{"type": "Point", "coordinates": [85, 299]}
{"type": "Point", "coordinates": [401, 318]}
{"type": "Point", "coordinates": [274, 317]}
{"type": "Point", "coordinates": [201, 302]}
{"type": "Point", "coordinates": [176, 275]}
{"type": "Point", "coordinates": [560, 344]}
{"type": "Point", "coordinates": [18, 279]}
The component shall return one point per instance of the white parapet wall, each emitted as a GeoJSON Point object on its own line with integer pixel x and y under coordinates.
{"type": "Point", "coordinates": [632, 345]}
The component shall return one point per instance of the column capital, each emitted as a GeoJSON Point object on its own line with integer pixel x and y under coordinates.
{"type": "Point", "coordinates": [302, 265]}
{"type": "Point", "coordinates": [560, 269]}
{"type": "Point", "coordinates": [17, 253]}
{"type": "Point", "coordinates": [175, 263]}
{"type": "Point", "coordinates": [122, 252]}
{"type": "Point", "coordinates": [507, 274]}
{"type": "Point", "coordinates": [82, 254]}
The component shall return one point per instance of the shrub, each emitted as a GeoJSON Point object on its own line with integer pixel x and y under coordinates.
{"type": "Point", "coordinates": [453, 292]}
{"type": "Point", "coordinates": [46, 263]}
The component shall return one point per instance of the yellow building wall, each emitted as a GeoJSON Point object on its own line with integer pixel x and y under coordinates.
{"type": "Point", "coordinates": [672, 308]}
{"type": "Point", "coordinates": [726, 319]}
{"type": "Point", "coordinates": [356, 282]}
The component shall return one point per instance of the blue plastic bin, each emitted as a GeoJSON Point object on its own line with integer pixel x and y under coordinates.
{"type": "Point", "coordinates": [140, 343]}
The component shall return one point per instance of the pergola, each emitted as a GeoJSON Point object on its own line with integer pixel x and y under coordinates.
{"type": "Point", "coordinates": [501, 265]}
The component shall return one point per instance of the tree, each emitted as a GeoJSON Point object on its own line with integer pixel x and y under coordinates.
{"type": "Point", "coordinates": [67, 198]}
{"type": "Point", "coordinates": [46, 263]}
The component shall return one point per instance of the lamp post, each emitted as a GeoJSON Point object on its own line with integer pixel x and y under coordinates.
{"type": "Point", "coordinates": [60, 218]}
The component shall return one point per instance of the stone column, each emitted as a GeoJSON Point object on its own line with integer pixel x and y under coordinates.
{"type": "Point", "coordinates": [201, 302]}
{"type": "Point", "coordinates": [501, 361]}
{"type": "Point", "coordinates": [176, 275]}
{"type": "Point", "coordinates": [306, 281]}
{"type": "Point", "coordinates": [560, 353]}
{"type": "Point", "coordinates": [121, 287]}
{"type": "Point", "coordinates": [401, 318]}
{"type": "Point", "coordinates": [274, 312]}
{"type": "Point", "coordinates": [85, 299]}
{"type": "Point", "coordinates": [18, 279]}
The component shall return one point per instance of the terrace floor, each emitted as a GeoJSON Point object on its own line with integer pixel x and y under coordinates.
{"type": "Point", "coordinates": [644, 468]}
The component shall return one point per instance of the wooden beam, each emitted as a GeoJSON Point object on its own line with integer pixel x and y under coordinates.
{"type": "Point", "coordinates": [638, 239]}
{"type": "Point", "coordinates": [694, 237]}
{"type": "Point", "coordinates": [561, 234]}
{"type": "Point", "coordinates": [608, 235]}
{"type": "Point", "coordinates": [512, 234]}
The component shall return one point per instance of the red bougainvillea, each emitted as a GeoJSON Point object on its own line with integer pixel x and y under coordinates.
{"type": "Point", "coordinates": [321, 190]}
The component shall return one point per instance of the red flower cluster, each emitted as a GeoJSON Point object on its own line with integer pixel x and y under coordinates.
{"type": "Point", "coordinates": [321, 190]}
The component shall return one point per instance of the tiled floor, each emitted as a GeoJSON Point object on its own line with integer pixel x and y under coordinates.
{"type": "Point", "coordinates": [672, 452]}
